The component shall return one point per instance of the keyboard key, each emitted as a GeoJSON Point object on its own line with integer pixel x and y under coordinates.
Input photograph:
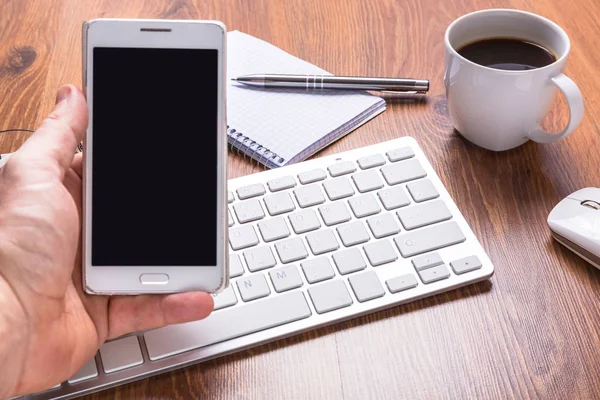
{"type": "Point", "coordinates": [312, 176]}
{"type": "Point", "coordinates": [330, 296]}
{"type": "Point", "coordinates": [400, 283]}
{"type": "Point", "coordinates": [304, 221]}
{"type": "Point", "coordinates": [225, 299]}
{"type": "Point", "coordinates": [403, 171]}
{"type": "Point", "coordinates": [273, 229]}
{"type": "Point", "coordinates": [322, 241]}
{"type": "Point", "coordinates": [88, 371]}
{"type": "Point", "coordinates": [121, 354]}
{"type": "Point", "coordinates": [429, 239]}
{"type": "Point", "coordinates": [291, 250]}
{"type": "Point", "coordinates": [367, 181]}
{"type": "Point", "coordinates": [422, 190]}
{"type": "Point", "coordinates": [242, 237]}
{"type": "Point", "coordinates": [259, 258]}
{"type": "Point", "coordinates": [383, 225]}
{"type": "Point", "coordinates": [226, 325]}
{"type": "Point", "coordinates": [248, 211]}
{"type": "Point", "coordinates": [381, 252]}
{"type": "Point", "coordinates": [230, 197]}
{"type": "Point", "coordinates": [338, 188]}
{"type": "Point", "coordinates": [371, 161]}
{"type": "Point", "coordinates": [285, 278]}
{"type": "Point", "coordinates": [253, 287]}
{"type": "Point", "coordinates": [334, 213]}
{"type": "Point", "coordinates": [285, 182]}
{"type": "Point", "coordinates": [353, 233]}
{"type": "Point", "coordinates": [342, 168]}
{"type": "Point", "coordinates": [279, 203]}
{"type": "Point", "coordinates": [235, 266]}
{"type": "Point", "coordinates": [400, 154]}
{"type": "Point", "coordinates": [434, 274]}
{"type": "Point", "coordinates": [465, 265]}
{"type": "Point", "coordinates": [308, 196]}
{"type": "Point", "coordinates": [318, 269]}
{"type": "Point", "coordinates": [364, 205]}
{"type": "Point", "coordinates": [349, 261]}
{"type": "Point", "coordinates": [366, 286]}
{"type": "Point", "coordinates": [393, 198]}
{"type": "Point", "coordinates": [249, 191]}
{"type": "Point", "coordinates": [426, 261]}
{"type": "Point", "coordinates": [230, 219]}
{"type": "Point", "coordinates": [424, 214]}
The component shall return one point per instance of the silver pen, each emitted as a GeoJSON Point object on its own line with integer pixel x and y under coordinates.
{"type": "Point", "coordinates": [317, 82]}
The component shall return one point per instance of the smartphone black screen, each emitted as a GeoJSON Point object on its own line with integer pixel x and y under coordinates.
{"type": "Point", "coordinates": [154, 158]}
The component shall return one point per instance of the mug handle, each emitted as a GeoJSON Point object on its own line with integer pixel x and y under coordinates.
{"type": "Point", "coordinates": [575, 101]}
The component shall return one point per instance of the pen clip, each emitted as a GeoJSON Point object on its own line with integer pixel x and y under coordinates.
{"type": "Point", "coordinates": [404, 91]}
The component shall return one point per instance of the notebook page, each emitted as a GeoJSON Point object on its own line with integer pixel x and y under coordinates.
{"type": "Point", "coordinates": [285, 121]}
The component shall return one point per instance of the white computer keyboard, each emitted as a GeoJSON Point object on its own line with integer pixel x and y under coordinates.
{"type": "Point", "coordinates": [312, 244]}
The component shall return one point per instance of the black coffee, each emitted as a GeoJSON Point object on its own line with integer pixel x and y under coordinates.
{"type": "Point", "coordinates": [508, 54]}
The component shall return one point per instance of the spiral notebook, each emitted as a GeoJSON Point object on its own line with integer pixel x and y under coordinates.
{"type": "Point", "coordinates": [277, 127]}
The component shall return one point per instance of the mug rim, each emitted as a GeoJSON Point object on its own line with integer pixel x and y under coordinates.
{"type": "Point", "coordinates": [553, 24]}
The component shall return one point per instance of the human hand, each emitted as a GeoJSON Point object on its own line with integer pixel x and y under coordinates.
{"type": "Point", "coordinates": [49, 327]}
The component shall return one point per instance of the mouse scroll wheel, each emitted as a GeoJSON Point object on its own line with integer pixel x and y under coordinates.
{"type": "Point", "coordinates": [591, 204]}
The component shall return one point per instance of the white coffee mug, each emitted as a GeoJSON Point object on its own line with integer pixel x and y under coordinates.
{"type": "Point", "coordinates": [499, 109]}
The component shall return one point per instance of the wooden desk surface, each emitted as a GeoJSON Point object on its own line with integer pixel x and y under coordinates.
{"type": "Point", "coordinates": [531, 331]}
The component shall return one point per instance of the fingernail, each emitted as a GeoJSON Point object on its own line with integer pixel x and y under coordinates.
{"type": "Point", "coordinates": [63, 94]}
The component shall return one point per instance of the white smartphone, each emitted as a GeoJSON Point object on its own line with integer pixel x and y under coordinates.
{"type": "Point", "coordinates": [154, 214]}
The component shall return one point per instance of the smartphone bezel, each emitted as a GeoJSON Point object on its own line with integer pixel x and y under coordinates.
{"type": "Point", "coordinates": [145, 33]}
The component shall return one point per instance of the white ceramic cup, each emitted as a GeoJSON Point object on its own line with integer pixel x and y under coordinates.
{"type": "Point", "coordinates": [499, 109]}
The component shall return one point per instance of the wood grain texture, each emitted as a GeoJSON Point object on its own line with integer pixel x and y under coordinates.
{"type": "Point", "coordinates": [532, 331]}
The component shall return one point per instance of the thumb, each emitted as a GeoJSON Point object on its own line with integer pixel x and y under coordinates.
{"type": "Point", "coordinates": [52, 146]}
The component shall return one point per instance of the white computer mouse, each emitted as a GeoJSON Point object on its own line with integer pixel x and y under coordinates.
{"type": "Point", "coordinates": [575, 222]}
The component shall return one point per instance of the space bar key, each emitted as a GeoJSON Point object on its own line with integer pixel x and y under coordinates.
{"type": "Point", "coordinates": [226, 324]}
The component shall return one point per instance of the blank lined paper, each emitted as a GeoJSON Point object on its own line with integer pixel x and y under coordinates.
{"type": "Point", "coordinates": [292, 124]}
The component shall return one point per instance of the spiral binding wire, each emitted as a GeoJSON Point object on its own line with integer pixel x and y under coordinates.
{"type": "Point", "coordinates": [252, 149]}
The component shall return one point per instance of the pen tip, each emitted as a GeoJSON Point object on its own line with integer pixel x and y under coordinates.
{"type": "Point", "coordinates": [234, 79]}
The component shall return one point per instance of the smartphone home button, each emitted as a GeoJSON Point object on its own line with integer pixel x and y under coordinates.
{"type": "Point", "coordinates": [154, 279]}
